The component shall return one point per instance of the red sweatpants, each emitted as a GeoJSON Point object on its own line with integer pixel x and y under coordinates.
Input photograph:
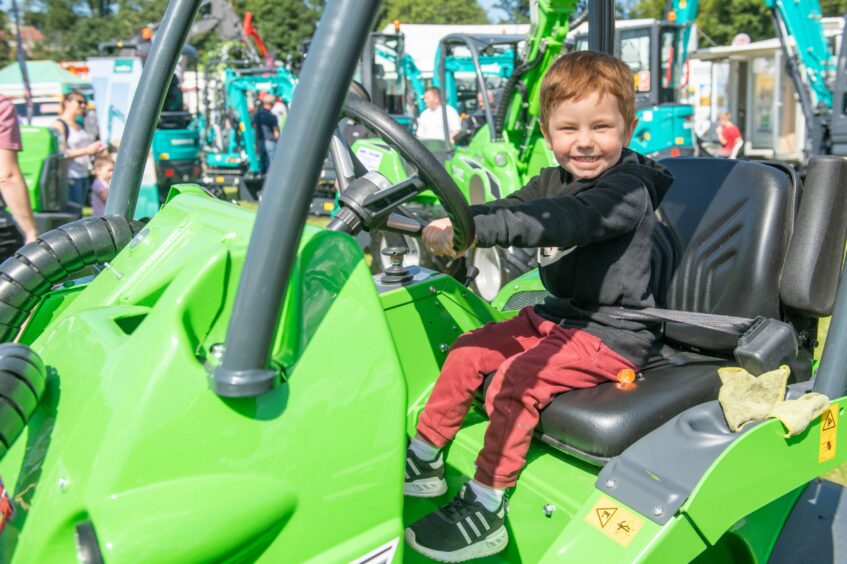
{"type": "Point", "coordinates": [535, 360]}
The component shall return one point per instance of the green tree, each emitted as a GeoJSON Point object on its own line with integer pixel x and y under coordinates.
{"type": "Point", "coordinates": [721, 25]}
{"type": "Point", "coordinates": [648, 9]}
{"type": "Point", "coordinates": [431, 12]}
{"type": "Point", "coordinates": [6, 54]}
{"type": "Point", "coordinates": [283, 24]}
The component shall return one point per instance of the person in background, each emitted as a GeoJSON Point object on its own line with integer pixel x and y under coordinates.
{"type": "Point", "coordinates": [729, 135]}
{"type": "Point", "coordinates": [12, 186]}
{"type": "Point", "coordinates": [267, 131]}
{"type": "Point", "coordinates": [78, 146]}
{"type": "Point", "coordinates": [431, 120]}
{"type": "Point", "coordinates": [104, 166]}
{"type": "Point", "coordinates": [476, 119]}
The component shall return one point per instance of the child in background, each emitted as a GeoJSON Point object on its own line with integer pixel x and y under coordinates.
{"type": "Point", "coordinates": [104, 166]}
{"type": "Point", "coordinates": [592, 217]}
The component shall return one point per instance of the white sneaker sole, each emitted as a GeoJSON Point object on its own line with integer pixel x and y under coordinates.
{"type": "Point", "coordinates": [491, 545]}
{"type": "Point", "coordinates": [427, 487]}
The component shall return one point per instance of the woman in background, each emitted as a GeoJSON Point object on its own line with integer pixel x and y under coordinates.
{"type": "Point", "coordinates": [78, 146]}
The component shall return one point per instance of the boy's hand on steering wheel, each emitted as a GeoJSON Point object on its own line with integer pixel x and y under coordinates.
{"type": "Point", "coordinates": [438, 238]}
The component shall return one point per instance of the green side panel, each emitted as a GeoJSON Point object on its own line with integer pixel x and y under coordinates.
{"type": "Point", "coordinates": [527, 282]}
{"type": "Point", "coordinates": [753, 538]}
{"type": "Point", "coordinates": [38, 144]}
{"type": "Point", "coordinates": [166, 470]}
{"type": "Point", "coordinates": [49, 308]}
{"type": "Point", "coordinates": [758, 468]}
{"type": "Point", "coordinates": [376, 155]}
{"type": "Point", "coordinates": [580, 541]}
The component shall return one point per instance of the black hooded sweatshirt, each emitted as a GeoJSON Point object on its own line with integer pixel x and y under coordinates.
{"type": "Point", "coordinates": [595, 238]}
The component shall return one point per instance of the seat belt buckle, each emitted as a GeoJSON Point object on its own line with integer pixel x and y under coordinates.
{"type": "Point", "coordinates": [766, 345]}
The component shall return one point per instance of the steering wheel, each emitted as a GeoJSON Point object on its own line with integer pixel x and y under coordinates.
{"type": "Point", "coordinates": [370, 199]}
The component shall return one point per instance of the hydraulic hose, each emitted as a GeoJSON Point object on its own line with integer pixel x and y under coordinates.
{"type": "Point", "coordinates": [53, 258]}
{"type": "Point", "coordinates": [22, 382]}
{"type": "Point", "coordinates": [511, 84]}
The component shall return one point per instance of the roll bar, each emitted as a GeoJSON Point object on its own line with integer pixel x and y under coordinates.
{"type": "Point", "coordinates": [288, 190]}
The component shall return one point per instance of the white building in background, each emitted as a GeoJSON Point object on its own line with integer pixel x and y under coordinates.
{"type": "Point", "coordinates": [751, 82]}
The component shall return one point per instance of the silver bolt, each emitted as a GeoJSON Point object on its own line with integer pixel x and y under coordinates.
{"type": "Point", "coordinates": [217, 350]}
{"type": "Point", "coordinates": [444, 347]}
{"type": "Point", "coordinates": [610, 484]}
{"type": "Point", "coordinates": [432, 289]}
{"type": "Point", "coordinates": [549, 508]}
{"type": "Point", "coordinates": [658, 510]}
{"type": "Point", "coordinates": [63, 483]}
{"type": "Point", "coordinates": [516, 286]}
{"type": "Point", "coordinates": [455, 328]}
{"type": "Point", "coordinates": [108, 266]}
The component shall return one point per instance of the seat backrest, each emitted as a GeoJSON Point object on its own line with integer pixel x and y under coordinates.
{"type": "Point", "coordinates": [726, 225]}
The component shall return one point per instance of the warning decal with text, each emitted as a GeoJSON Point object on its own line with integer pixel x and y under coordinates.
{"type": "Point", "coordinates": [615, 521]}
{"type": "Point", "coordinates": [829, 430]}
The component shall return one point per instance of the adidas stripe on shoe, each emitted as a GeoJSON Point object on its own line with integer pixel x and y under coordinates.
{"type": "Point", "coordinates": [461, 530]}
{"type": "Point", "coordinates": [424, 478]}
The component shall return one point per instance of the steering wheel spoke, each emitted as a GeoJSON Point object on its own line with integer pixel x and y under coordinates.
{"type": "Point", "coordinates": [371, 207]}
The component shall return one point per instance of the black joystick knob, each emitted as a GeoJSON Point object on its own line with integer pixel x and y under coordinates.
{"type": "Point", "coordinates": [396, 273]}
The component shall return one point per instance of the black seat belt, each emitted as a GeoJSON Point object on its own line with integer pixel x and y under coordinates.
{"type": "Point", "coordinates": [763, 343]}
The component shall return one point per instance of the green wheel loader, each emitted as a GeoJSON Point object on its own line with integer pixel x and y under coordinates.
{"type": "Point", "coordinates": [234, 385]}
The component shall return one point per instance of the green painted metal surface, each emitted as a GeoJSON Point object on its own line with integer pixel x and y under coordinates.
{"type": "Point", "coordinates": [130, 437]}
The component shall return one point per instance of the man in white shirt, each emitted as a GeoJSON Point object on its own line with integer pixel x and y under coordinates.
{"type": "Point", "coordinates": [431, 120]}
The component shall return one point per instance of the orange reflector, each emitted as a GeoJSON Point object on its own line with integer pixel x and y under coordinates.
{"type": "Point", "coordinates": [675, 152]}
{"type": "Point", "coordinates": [169, 173]}
{"type": "Point", "coordinates": [626, 376]}
{"type": "Point", "coordinates": [329, 206]}
{"type": "Point", "coordinates": [219, 179]}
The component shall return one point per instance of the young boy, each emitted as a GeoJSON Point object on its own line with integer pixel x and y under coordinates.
{"type": "Point", "coordinates": [593, 218]}
{"type": "Point", "coordinates": [104, 167]}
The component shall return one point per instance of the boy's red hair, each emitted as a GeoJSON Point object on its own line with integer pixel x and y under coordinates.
{"type": "Point", "coordinates": [579, 74]}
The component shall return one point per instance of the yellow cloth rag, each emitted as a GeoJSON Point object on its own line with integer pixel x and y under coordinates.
{"type": "Point", "coordinates": [745, 398]}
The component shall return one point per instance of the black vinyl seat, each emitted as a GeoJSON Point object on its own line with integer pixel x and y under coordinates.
{"type": "Point", "coordinates": [721, 247]}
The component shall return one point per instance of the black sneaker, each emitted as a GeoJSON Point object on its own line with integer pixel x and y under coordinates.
{"type": "Point", "coordinates": [424, 478]}
{"type": "Point", "coordinates": [461, 530]}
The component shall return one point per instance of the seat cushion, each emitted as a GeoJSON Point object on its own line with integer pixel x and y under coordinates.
{"type": "Point", "coordinates": [598, 423]}
{"type": "Point", "coordinates": [601, 422]}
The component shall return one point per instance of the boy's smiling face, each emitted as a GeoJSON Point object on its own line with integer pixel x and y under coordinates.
{"type": "Point", "coordinates": [588, 135]}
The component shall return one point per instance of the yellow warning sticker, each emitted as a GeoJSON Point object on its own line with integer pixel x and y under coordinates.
{"type": "Point", "coordinates": [829, 430]}
{"type": "Point", "coordinates": [615, 521]}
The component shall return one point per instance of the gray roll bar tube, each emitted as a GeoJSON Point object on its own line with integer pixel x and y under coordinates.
{"type": "Point", "coordinates": [147, 104]}
{"type": "Point", "coordinates": [289, 186]}
{"type": "Point", "coordinates": [831, 376]}
{"type": "Point", "coordinates": [601, 26]}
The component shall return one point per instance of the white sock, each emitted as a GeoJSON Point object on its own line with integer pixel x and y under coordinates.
{"type": "Point", "coordinates": [423, 449]}
{"type": "Point", "coordinates": [490, 498]}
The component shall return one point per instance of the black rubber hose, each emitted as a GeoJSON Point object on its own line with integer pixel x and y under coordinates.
{"type": "Point", "coordinates": [22, 382]}
{"type": "Point", "coordinates": [52, 258]}
{"type": "Point", "coordinates": [506, 98]}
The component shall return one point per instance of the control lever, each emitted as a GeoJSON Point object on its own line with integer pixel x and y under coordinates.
{"type": "Point", "coordinates": [472, 273]}
{"type": "Point", "coordinates": [396, 273]}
